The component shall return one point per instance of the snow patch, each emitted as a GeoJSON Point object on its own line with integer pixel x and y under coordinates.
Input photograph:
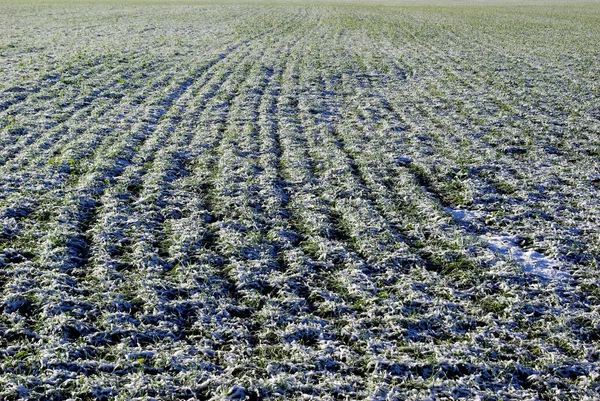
{"type": "Point", "coordinates": [506, 246]}
{"type": "Point", "coordinates": [531, 261]}
{"type": "Point", "coordinates": [467, 216]}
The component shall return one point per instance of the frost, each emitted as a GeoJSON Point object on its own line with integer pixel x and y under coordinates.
{"type": "Point", "coordinates": [465, 215]}
{"type": "Point", "coordinates": [506, 246]}
{"type": "Point", "coordinates": [531, 261]}
{"type": "Point", "coordinates": [224, 201]}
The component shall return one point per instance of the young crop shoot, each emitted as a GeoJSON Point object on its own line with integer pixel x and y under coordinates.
{"type": "Point", "coordinates": [286, 200]}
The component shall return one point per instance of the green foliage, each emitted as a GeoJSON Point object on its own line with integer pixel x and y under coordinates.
{"type": "Point", "coordinates": [275, 200]}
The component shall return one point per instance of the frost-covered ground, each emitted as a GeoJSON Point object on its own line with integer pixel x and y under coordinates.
{"type": "Point", "coordinates": [287, 201]}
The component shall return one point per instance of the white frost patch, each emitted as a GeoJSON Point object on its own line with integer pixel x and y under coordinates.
{"type": "Point", "coordinates": [468, 216]}
{"type": "Point", "coordinates": [531, 261]}
{"type": "Point", "coordinates": [506, 245]}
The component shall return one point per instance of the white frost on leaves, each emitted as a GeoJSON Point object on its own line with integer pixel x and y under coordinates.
{"type": "Point", "coordinates": [506, 246]}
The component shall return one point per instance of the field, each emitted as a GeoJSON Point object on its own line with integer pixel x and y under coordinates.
{"type": "Point", "coordinates": [299, 201]}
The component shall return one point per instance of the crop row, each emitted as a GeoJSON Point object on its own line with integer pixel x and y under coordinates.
{"type": "Point", "coordinates": [250, 202]}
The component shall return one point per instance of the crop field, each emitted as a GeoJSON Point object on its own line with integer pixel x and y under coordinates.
{"type": "Point", "coordinates": [296, 201]}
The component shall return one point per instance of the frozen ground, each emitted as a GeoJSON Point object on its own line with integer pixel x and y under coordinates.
{"type": "Point", "coordinates": [299, 201]}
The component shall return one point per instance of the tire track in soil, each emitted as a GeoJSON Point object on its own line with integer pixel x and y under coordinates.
{"type": "Point", "coordinates": [435, 53]}
{"type": "Point", "coordinates": [85, 206]}
{"type": "Point", "coordinates": [270, 185]}
{"type": "Point", "coordinates": [431, 189]}
{"type": "Point", "coordinates": [24, 94]}
{"type": "Point", "coordinates": [363, 275]}
{"type": "Point", "coordinates": [323, 112]}
{"type": "Point", "coordinates": [45, 191]}
{"type": "Point", "coordinates": [272, 222]}
{"type": "Point", "coordinates": [385, 111]}
{"type": "Point", "coordinates": [48, 81]}
{"type": "Point", "coordinates": [356, 171]}
{"type": "Point", "coordinates": [311, 284]}
{"type": "Point", "coordinates": [431, 264]}
{"type": "Point", "coordinates": [157, 87]}
{"type": "Point", "coordinates": [221, 285]}
{"type": "Point", "coordinates": [42, 139]}
{"type": "Point", "coordinates": [141, 54]}
{"type": "Point", "coordinates": [216, 218]}
{"type": "Point", "coordinates": [36, 172]}
{"type": "Point", "coordinates": [300, 294]}
{"type": "Point", "coordinates": [306, 296]}
{"type": "Point", "coordinates": [244, 278]}
{"type": "Point", "coordinates": [370, 86]}
{"type": "Point", "coordinates": [308, 165]}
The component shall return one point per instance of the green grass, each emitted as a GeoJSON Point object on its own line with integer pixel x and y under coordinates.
{"type": "Point", "coordinates": [290, 200]}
